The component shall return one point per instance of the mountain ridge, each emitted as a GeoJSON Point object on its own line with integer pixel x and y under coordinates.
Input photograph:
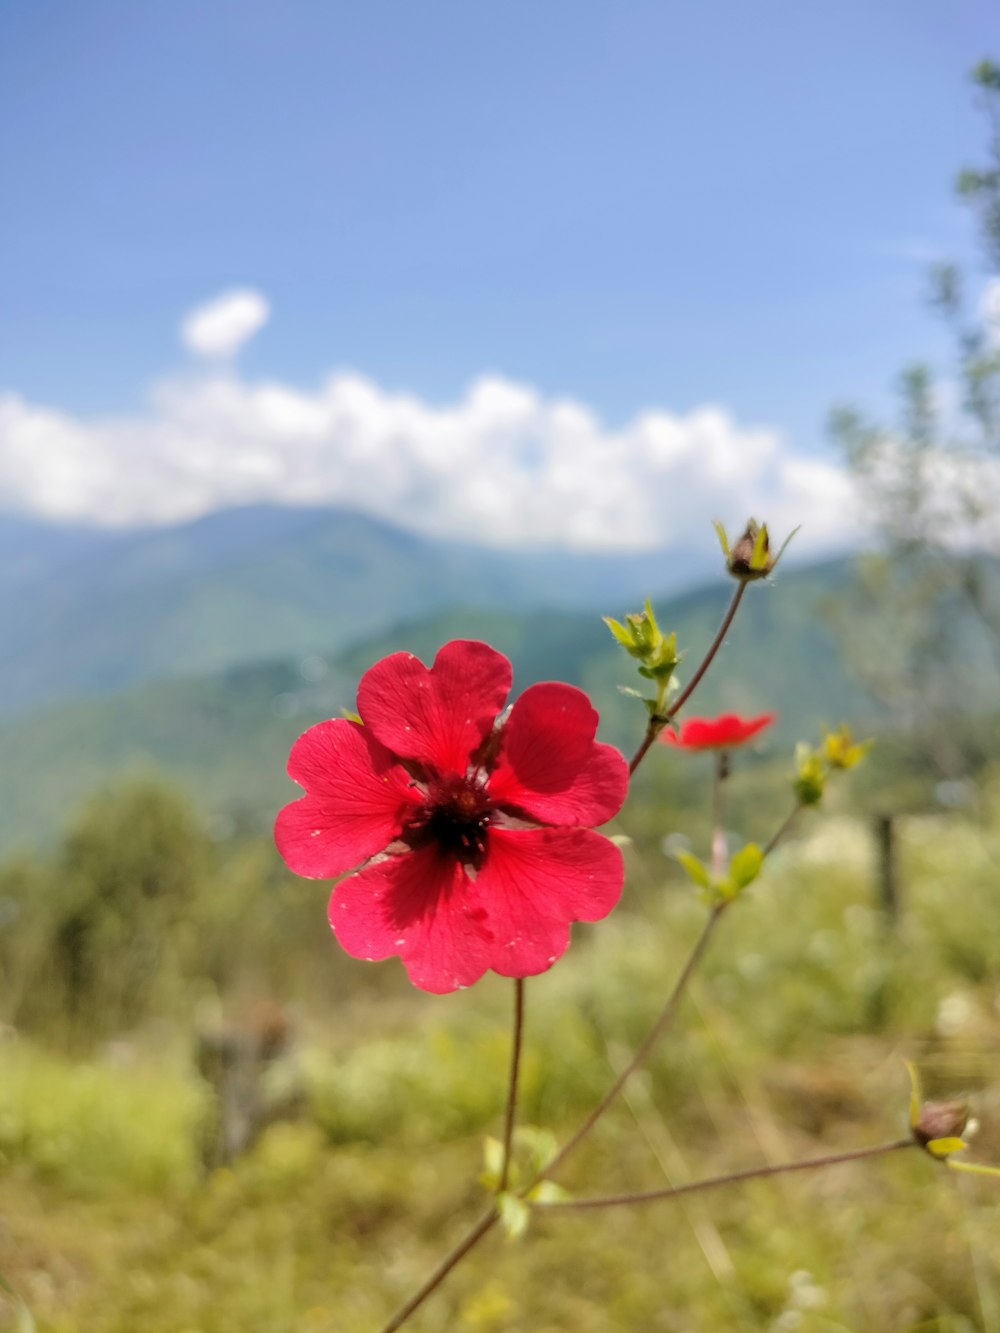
{"type": "Point", "coordinates": [100, 610]}
{"type": "Point", "coordinates": [224, 737]}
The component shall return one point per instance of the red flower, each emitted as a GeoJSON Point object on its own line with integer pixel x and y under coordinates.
{"type": "Point", "coordinates": [471, 833]}
{"type": "Point", "coordinates": [718, 733]}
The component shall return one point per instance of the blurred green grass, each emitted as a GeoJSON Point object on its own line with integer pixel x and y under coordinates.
{"type": "Point", "coordinates": [791, 1042]}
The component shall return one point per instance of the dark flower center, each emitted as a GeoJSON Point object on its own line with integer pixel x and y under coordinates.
{"type": "Point", "coordinates": [455, 816]}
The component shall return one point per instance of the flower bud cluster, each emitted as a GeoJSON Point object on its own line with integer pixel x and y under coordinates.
{"type": "Point", "coordinates": [838, 751]}
{"type": "Point", "coordinates": [656, 652]}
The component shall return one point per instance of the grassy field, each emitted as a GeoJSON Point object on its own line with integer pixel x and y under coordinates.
{"type": "Point", "coordinates": [791, 1042]}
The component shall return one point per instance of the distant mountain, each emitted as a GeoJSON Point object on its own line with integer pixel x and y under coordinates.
{"type": "Point", "coordinates": [225, 736]}
{"type": "Point", "coordinates": [88, 612]}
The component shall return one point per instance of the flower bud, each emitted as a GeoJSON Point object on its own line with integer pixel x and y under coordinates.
{"type": "Point", "coordinates": [940, 1120]}
{"type": "Point", "coordinates": [841, 750]}
{"type": "Point", "coordinates": [749, 558]}
{"type": "Point", "coordinates": [810, 779]}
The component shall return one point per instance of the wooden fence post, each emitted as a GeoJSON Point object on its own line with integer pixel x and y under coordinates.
{"type": "Point", "coordinates": [887, 868]}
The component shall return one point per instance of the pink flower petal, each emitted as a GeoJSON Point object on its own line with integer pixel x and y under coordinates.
{"type": "Point", "coordinates": [355, 802]}
{"type": "Point", "coordinates": [534, 883]}
{"type": "Point", "coordinates": [719, 733]}
{"type": "Point", "coordinates": [550, 766]}
{"type": "Point", "coordinates": [437, 716]}
{"type": "Point", "coordinates": [422, 907]}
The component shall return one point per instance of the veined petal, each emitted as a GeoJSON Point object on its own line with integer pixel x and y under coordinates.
{"type": "Point", "coordinates": [550, 767]}
{"type": "Point", "coordinates": [534, 883]}
{"type": "Point", "coordinates": [355, 802]}
{"type": "Point", "coordinates": [421, 906]}
{"type": "Point", "coordinates": [436, 716]}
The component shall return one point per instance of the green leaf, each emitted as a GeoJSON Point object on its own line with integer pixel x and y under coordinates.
{"type": "Point", "coordinates": [745, 866]}
{"type": "Point", "coordinates": [514, 1214]}
{"type": "Point", "coordinates": [723, 539]}
{"type": "Point", "coordinates": [492, 1163]}
{"type": "Point", "coordinates": [623, 635]}
{"type": "Point", "coordinates": [784, 546]}
{"type": "Point", "coordinates": [540, 1145]}
{"type": "Point", "coordinates": [697, 870]}
{"type": "Point", "coordinates": [547, 1191]}
{"type": "Point", "coordinates": [760, 556]}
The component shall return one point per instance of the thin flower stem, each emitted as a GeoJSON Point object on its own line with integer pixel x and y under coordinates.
{"type": "Point", "coordinates": [652, 1037]}
{"type": "Point", "coordinates": [782, 829]}
{"type": "Point", "coordinates": [673, 1000]}
{"type": "Point", "coordinates": [487, 1222]}
{"type": "Point", "coordinates": [468, 1242]}
{"type": "Point", "coordinates": [657, 722]}
{"type": "Point", "coordinates": [653, 728]}
{"type": "Point", "coordinates": [718, 814]}
{"type": "Point", "coordinates": [515, 1074]}
{"type": "Point", "coordinates": [709, 657]}
{"type": "Point", "coordinates": [731, 1178]}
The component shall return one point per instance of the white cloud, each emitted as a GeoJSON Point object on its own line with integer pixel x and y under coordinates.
{"type": "Point", "coordinates": [502, 465]}
{"type": "Point", "coordinates": [221, 326]}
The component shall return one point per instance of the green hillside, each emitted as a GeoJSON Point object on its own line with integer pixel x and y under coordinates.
{"type": "Point", "coordinates": [87, 613]}
{"type": "Point", "coordinates": [224, 737]}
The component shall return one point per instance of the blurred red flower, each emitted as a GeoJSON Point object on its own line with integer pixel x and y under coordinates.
{"type": "Point", "coordinates": [717, 733]}
{"type": "Point", "coordinates": [471, 833]}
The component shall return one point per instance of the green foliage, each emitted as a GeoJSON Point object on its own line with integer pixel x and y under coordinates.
{"type": "Point", "coordinates": [922, 628]}
{"type": "Point", "coordinates": [743, 869]}
{"type": "Point", "coordinates": [137, 913]}
{"type": "Point", "coordinates": [777, 1054]}
{"type": "Point", "coordinates": [89, 1128]}
{"type": "Point", "coordinates": [126, 875]}
{"type": "Point", "coordinates": [656, 653]}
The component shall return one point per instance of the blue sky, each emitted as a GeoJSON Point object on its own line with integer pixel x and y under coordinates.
{"type": "Point", "coordinates": [633, 205]}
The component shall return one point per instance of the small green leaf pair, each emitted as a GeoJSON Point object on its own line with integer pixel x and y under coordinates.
{"type": "Point", "coordinates": [533, 1150]}
{"type": "Point", "coordinates": [743, 870]}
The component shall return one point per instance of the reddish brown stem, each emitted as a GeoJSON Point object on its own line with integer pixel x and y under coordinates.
{"type": "Point", "coordinates": [652, 1037]}
{"type": "Point", "coordinates": [487, 1222]}
{"type": "Point", "coordinates": [468, 1242]}
{"type": "Point", "coordinates": [656, 722]}
{"type": "Point", "coordinates": [780, 832]}
{"type": "Point", "coordinates": [731, 1178]}
{"type": "Point", "coordinates": [515, 1074]}
{"type": "Point", "coordinates": [709, 657]}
